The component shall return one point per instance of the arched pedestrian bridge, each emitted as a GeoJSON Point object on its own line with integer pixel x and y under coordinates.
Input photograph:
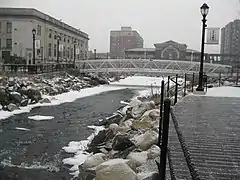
{"type": "Point", "coordinates": [153, 67]}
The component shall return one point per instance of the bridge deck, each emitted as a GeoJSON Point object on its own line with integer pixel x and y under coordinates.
{"type": "Point", "coordinates": [210, 129]}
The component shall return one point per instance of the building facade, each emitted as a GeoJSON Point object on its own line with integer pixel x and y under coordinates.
{"type": "Point", "coordinates": [16, 39]}
{"type": "Point", "coordinates": [230, 38]}
{"type": "Point", "coordinates": [124, 39]}
{"type": "Point", "coordinates": [140, 53]}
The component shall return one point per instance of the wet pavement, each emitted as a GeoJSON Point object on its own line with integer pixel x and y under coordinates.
{"type": "Point", "coordinates": [208, 136]}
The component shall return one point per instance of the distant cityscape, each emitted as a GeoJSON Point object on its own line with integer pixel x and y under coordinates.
{"type": "Point", "coordinates": [57, 42]}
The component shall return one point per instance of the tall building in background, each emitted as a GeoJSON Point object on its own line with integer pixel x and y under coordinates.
{"type": "Point", "coordinates": [230, 38]}
{"type": "Point", "coordinates": [124, 39]}
{"type": "Point", "coordinates": [16, 39]}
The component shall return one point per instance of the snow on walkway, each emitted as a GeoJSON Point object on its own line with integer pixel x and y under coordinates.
{"type": "Point", "coordinates": [225, 91]}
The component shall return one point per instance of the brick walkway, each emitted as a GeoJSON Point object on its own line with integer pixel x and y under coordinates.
{"type": "Point", "coordinates": [210, 129]}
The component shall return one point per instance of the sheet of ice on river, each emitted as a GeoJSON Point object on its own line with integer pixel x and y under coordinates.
{"type": "Point", "coordinates": [22, 129]}
{"type": "Point", "coordinates": [36, 165]}
{"type": "Point", "coordinates": [78, 149]}
{"type": "Point", "coordinates": [61, 98]}
{"type": "Point", "coordinates": [40, 118]}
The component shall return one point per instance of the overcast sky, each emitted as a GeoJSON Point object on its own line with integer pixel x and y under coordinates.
{"type": "Point", "coordinates": [155, 20]}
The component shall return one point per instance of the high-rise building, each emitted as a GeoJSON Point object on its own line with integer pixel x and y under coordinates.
{"type": "Point", "coordinates": [54, 38]}
{"type": "Point", "coordinates": [230, 38]}
{"type": "Point", "coordinates": [124, 39]}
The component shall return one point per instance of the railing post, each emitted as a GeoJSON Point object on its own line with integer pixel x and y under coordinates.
{"type": "Point", "coordinates": [163, 158]}
{"type": "Point", "coordinates": [185, 84]}
{"type": "Point", "coordinates": [176, 89]}
{"type": "Point", "coordinates": [193, 81]}
{"type": "Point", "coordinates": [161, 113]}
{"type": "Point", "coordinates": [168, 86]}
{"type": "Point", "coordinates": [219, 81]}
{"type": "Point", "coordinates": [206, 83]}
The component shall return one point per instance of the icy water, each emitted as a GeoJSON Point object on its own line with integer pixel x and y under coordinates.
{"type": "Point", "coordinates": [37, 154]}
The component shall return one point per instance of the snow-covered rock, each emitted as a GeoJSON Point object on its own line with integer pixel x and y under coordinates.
{"type": "Point", "coordinates": [94, 160]}
{"type": "Point", "coordinates": [153, 152]}
{"type": "Point", "coordinates": [138, 158]}
{"type": "Point", "coordinates": [138, 110]}
{"type": "Point", "coordinates": [115, 169]}
{"type": "Point", "coordinates": [146, 140]}
{"type": "Point", "coordinates": [12, 107]}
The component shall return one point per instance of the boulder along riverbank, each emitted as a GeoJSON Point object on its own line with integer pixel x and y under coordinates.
{"type": "Point", "coordinates": [18, 92]}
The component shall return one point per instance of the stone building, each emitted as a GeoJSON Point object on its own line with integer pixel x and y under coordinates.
{"type": "Point", "coordinates": [121, 40]}
{"type": "Point", "coordinates": [16, 39]}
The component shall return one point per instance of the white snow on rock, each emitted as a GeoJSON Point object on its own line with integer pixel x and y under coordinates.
{"type": "Point", "coordinates": [138, 158]}
{"type": "Point", "coordinates": [115, 169]}
{"type": "Point", "coordinates": [153, 152]}
{"type": "Point", "coordinates": [94, 160]}
{"type": "Point", "coordinates": [40, 118]}
{"type": "Point", "coordinates": [224, 91]}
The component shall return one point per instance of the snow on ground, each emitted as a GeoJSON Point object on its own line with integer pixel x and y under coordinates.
{"type": "Point", "coordinates": [61, 98]}
{"type": "Point", "coordinates": [140, 81]}
{"type": "Point", "coordinates": [22, 129]}
{"type": "Point", "coordinates": [40, 118]}
{"type": "Point", "coordinates": [225, 91]}
{"type": "Point", "coordinates": [78, 149]}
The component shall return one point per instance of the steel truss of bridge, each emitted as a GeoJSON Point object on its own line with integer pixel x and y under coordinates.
{"type": "Point", "coordinates": [155, 67]}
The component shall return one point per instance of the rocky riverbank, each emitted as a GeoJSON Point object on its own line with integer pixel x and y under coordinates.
{"type": "Point", "coordinates": [127, 147]}
{"type": "Point", "coordinates": [19, 92]}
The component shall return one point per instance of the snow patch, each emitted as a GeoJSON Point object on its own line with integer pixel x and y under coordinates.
{"type": "Point", "coordinates": [35, 165]}
{"type": "Point", "coordinates": [40, 118]}
{"type": "Point", "coordinates": [78, 148]}
{"type": "Point", "coordinates": [22, 129]}
{"type": "Point", "coordinates": [225, 91]}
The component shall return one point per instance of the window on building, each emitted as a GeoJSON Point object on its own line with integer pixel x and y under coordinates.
{"type": "Point", "coordinates": [71, 53]}
{"type": "Point", "coordinates": [64, 40]}
{"type": "Point", "coordinates": [49, 49]}
{"type": "Point", "coordinates": [64, 51]}
{"type": "Point", "coordinates": [68, 52]}
{"type": "Point", "coordinates": [55, 50]}
{"type": "Point", "coordinates": [39, 28]}
{"type": "Point", "coordinates": [55, 36]}
{"type": "Point", "coordinates": [0, 43]}
{"type": "Point", "coordinates": [9, 27]}
{"type": "Point", "coordinates": [0, 27]}
{"type": "Point", "coordinates": [9, 43]}
{"type": "Point", "coordinates": [50, 35]}
{"type": "Point", "coordinates": [68, 40]}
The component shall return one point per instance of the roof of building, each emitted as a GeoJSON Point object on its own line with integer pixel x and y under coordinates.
{"type": "Point", "coordinates": [35, 13]}
{"type": "Point", "coordinates": [141, 50]}
{"type": "Point", "coordinates": [192, 50]}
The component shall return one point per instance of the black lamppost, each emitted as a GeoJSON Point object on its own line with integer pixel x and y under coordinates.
{"type": "Point", "coordinates": [34, 39]}
{"type": "Point", "coordinates": [58, 51]}
{"type": "Point", "coordinates": [74, 54]}
{"type": "Point", "coordinates": [95, 54]}
{"type": "Point", "coordinates": [204, 11]}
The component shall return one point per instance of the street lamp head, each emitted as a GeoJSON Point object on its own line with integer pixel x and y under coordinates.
{"type": "Point", "coordinates": [204, 9]}
{"type": "Point", "coordinates": [34, 31]}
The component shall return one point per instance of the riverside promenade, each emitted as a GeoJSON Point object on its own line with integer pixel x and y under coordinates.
{"type": "Point", "coordinates": [204, 138]}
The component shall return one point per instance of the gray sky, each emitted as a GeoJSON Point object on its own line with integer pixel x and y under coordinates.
{"type": "Point", "coordinates": [155, 20]}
